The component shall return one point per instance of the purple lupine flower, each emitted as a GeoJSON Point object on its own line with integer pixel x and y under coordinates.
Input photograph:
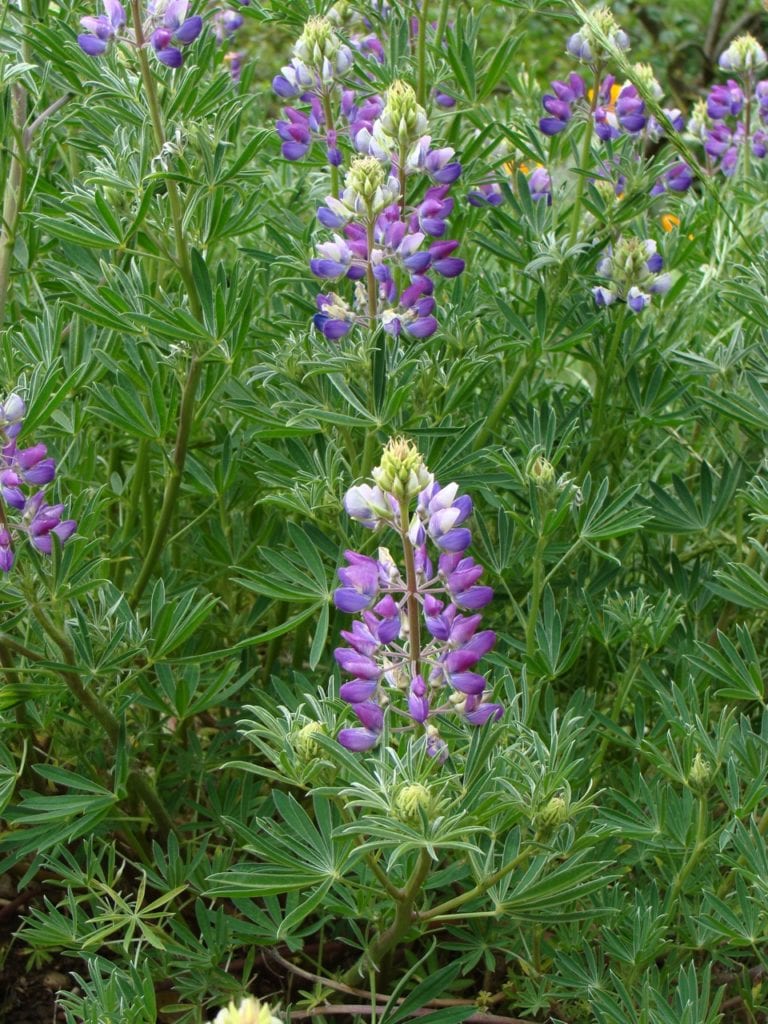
{"type": "Point", "coordinates": [744, 55]}
{"type": "Point", "coordinates": [540, 185]}
{"type": "Point", "coordinates": [23, 510]}
{"type": "Point", "coordinates": [487, 194]}
{"type": "Point", "coordinates": [761, 95]}
{"type": "Point", "coordinates": [587, 45]}
{"type": "Point", "coordinates": [634, 269]}
{"type": "Point", "coordinates": [12, 413]}
{"type": "Point", "coordinates": [440, 165]}
{"type": "Point", "coordinates": [392, 665]}
{"type": "Point", "coordinates": [335, 259]}
{"type": "Point", "coordinates": [102, 28]}
{"type": "Point", "coordinates": [361, 583]}
{"type": "Point", "coordinates": [334, 318]}
{"type": "Point", "coordinates": [413, 313]}
{"type": "Point", "coordinates": [560, 112]}
{"type": "Point", "coordinates": [725, 100]}
{"type": "Point", "coordinates": [358, 740]}
{"type": "Point", "coordinates": [174, 28]}
{"type": "Point", "coordinates": [443, 262]}
{"type": "Point", "coordinates": [433, 211]}
{"type": "Point", "coordinates": [630, 110]}
{"type": "Point", "coordinates": [226, 23]}
{"type": "Point", "coordinates": [678, 178]}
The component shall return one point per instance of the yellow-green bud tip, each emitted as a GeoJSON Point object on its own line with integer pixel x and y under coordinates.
{"type": "Point", "coordinates": [365, 176]}
{"type": "Point", "coordinates": [541, 471]}
{"type": "Point", "coordinates": [700, 773]}
{"type": "Point", "coordinates": [250, 1011]}
{"type": "Point", "coordinates": [402, 472]}
{"type": "Point", "coordinates": [410, 800]}
{"type": "Point", "coordinates": [554, 813]}
{"type": "Point", "coordinates": [304, 741]}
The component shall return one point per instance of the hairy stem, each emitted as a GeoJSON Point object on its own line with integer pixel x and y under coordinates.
{"type": "Point", "coordinates": [158, 129]}
{"type": "Point", "coordinates": [330, 126]}
{"type": "Point", "coordinates": [479, 890]}
{"type": "Point", "coordinates": [403, 920]}
{"type": "Point", "coordinates": [412, 601]}
{"type": "Point", "coordinates": [700, 845]}
{"type": "Point", "coordinates": [602, 389]}
{"type": "Point", "coordinates": [138, 783]}
{"type": "Point", "coordinates": [537, 587]}
{"type": "Point", "coordinates": [14, 192]}
{"type": "Point", "coordinates": [502, 402]}
{"type": "Point", "coordinates": [173, 479]}
{"type": "Point", "coordinates": [421, 54]}
{"type": "Point", "coordinates": [586, 149]}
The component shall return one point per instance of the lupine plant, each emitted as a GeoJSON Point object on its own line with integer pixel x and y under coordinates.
{"type": "Point", "coordinates": [383, 512]}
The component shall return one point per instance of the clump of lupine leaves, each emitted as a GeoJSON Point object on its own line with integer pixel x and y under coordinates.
{"type": "Point", "coordinates": [298, 301]}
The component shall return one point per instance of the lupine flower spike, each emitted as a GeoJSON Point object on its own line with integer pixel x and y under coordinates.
{"type": "Point", "coordinates": [634, 270]}
{"type": "Point", "coordinates": [413, 652]}
{"type": "Point", "coordinates": [23, 508]}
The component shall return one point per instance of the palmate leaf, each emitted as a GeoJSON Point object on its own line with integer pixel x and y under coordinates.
{"type": "Point", "coordinates": [597, 520]}
{"type": "Point", "coordinates": [681, 512]}
{"type": "Point", "coordinates": [741, 674]}
{"type": "Point", "coordinates": [742, 585]}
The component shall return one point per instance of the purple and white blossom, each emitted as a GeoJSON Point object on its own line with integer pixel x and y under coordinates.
{"type": "Point", "coordinates": [23, 507]}
{"type": "Point", "coordinates": [413, 653]}
{"type": "Point", "coordinates": [634, 269]}
{"type": "Point", "coordinates": [167, 27]}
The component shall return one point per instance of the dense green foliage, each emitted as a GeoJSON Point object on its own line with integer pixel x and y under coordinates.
{"type": "Point", "coordinates": [598, 853]}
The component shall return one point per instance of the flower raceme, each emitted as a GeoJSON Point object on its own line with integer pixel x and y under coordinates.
{"type": "Point", "coordinates": [23, 508]}
{"type": "Point", "coordinates": [633, 267]}
{"type": "Point", "coordinates": [384, 222]}
{"type": "Point", "coordinates": [166, 26]}
{"type": "Point", "coordinates": [413, 652]}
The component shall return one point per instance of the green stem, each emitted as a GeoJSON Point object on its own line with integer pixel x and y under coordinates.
{"type": "Point", "coordinates": [421, 54]}
{"type": "Point", "coordinates": [173, 479]}
{"type": "Point", "coordinates": [442, 21]}
{"type": "Point", "coordinates": [412, 589]}
{"type": "Point", "coordinates": [586, 149]}
{"type": "Point", "coordinates": [403, 920]}
{"type": "Point", "coordinates": [747, 124]}
{"type": "Point", "coordinates": [186, 414]}
{"type": "Point", "coordinates": [370, 278]}
{"type": "Point", "coordinates": [14, 193]}
{"type": "Point", "coordinates": [373, 305]}
{"type": "Point", "coordinates": [479, 890]}
{"type": "Point", "coordinates": [694, 857]}
{"type": "Point", "coordinates": [619, 701]}
{"type": "Point", "coordinates": [137, 780]}
{"type": "Point", "coordinates": [602, 389]}
{"type": "Point", "coordinates": [158, 129]}
{"type": "Point", "coordinates": [500, 407]}
{"type": "Point", "coordinates": [537, 587]}
{"type": "Point", "coordinates": [330, 126]}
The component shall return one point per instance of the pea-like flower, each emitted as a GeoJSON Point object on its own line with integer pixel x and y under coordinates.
{"type": "Point", "coordinates": [102, 28]}
{"type": "Point", "coordinates": [175, 30]}
{"type": "Point", "coordinates": [634, 268]}
{"type": "Point", "coordinates": [24, 510]}
{"type": "Point", "coordinates": [413, 654]}
{"type": "Point", "coordinates": [166, 26]}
